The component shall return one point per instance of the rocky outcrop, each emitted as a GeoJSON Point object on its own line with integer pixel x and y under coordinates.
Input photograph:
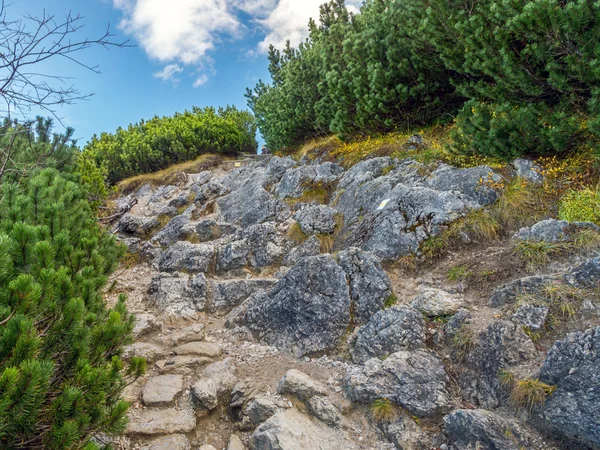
{"type": "Point", "coordinates": [553, 230]}
{"type": "Point", "coordinates": [309, 309]}
{"type": "Point", "coordinates": [528, 170]}
{"type": "Point", "coordinates": [388, 331]}
{"type": "Point", "coordinates": [501, 345]}
{"type": "Point", "coordinates": [185, 256]}
{"type": "Point", "coordinates": [472, 429]}
{"type": "Point", "coordinates": [179, 294]}
{"type": "Point", "coordinates": [585, 275]}
{"type": "Point", "coordinates": [316, 219]}
{"type": "Point", "coordinates": [572, 411]}
{"type": "Point", "coordinates": [508, 293]}
{"type": "Point", "coordinates": [415, 380]}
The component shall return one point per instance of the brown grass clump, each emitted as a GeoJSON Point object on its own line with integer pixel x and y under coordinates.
{"type": "Point", "coordinates": [295, 234]}
{"type": "Point", "coordinates": [528, 393]}
{"type": "Point", "coordinates": [383, 410]}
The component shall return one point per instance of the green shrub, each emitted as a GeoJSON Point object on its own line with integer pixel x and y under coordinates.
{"type": "Point", "coordinates": [508, 130]}
{"type": "Point", "coordinates": [61, 375]}
{"type": "Point", "coordinates": [160, 142]}
{"type": "Point", "coordinates": [580, 206]}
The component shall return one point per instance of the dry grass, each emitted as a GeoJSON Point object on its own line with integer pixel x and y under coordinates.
{"type": "Point", "coordinates": [170, 175]}
{"type": "Point", "coordinates": [295, 234]}
{"type": "Point", "coordinates": [383, 410]}
{"type": "Point", "coordinates": [463, 342]}
{"type": "Point", "coordinates": [507, 379]}
{"type": "Point", "coordinates": [326, 242]}
{"type": "Point", "coordinates": [459, 273]}
{"type": "Point", "coordinates": [528, 393]}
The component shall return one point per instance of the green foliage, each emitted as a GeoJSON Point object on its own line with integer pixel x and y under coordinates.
{"type": "Point", "coordinates": [462, 342]}
{"type": "Point", "coordinates": [580, 206]}
{"type": "Point", "coordinates": [160, 142]}
{"type": "Point", "coordinates": [459, 273]}
{"type": "Point", "coordinates": [61, 375]}
{"type": "Point", "coordinates": [528, 70]}
{"type": "Point", "coordinates": [508, 130]}
{"type": "Point", "coordinates": [383, 410]}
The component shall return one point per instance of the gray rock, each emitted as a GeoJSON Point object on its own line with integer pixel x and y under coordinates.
{"type": "Point", "coordinates": [470, 429]}
{"type": "Point", "coordinates": [137, 225]}
{"type": "Point", "coordinates": [207, 349]}
{"type": "Point", "coordinates": [405, 434]}
{"type": "Point", "coordinates": [307, 311]}
{"type": "Point", "coordinates": [389, 331]}
{"type": "Point", "coordinates": [415, 380]}
{"type": "Point", "coordinates": [300, 385]}
{"type": "Point", "coordinates": [161, 421]}
{"type": "Point", "coordinates": [179, 294]}
{"type": "Point", "coordinates": [310, 247]}
{"type": "Point", "coordinates": [508, 293]}
{"type": "Point", "coordinates": [133, 244]}
{"type": "Point", "coordinates": [370, 285]}
{"type": "Point", "coordinates": [174, 231]}
{"type": "Point", "coordinates": [296, 181]}
{"type": "Point", "coordinates": [457, 321]}
{"type": "Point", "coordinates": [323, 409]}
{"type": "Point", "coordinates": [473, 182]}
{"type": "Point", "coordinates": [552, 230]}
{"type": "Point", "coordinates": [192, 333]}
{"type": "Point", "coordinates": [319, 219]}
{"type": "Point", "coordinates": [228, 294]}
{"type": "Point", "coordinates": [531, 316]}
{"type": "Point", "coordinates": [291, 430]}
{"type": "Point", "coordinates": [162, 390]}
{"type": "Point", "coordinates": [215, 385]}
{"type": "Point", "coordinates": [185, 256]}
{"type": "Point", "coordinates": [501, 345]}
{"type": "Point", "coordinates": [435, 302]}
{"type": "Point", "coordinates": [233, 255]}
{"type": "Point", "coordinates": [235, 443]}
{"type": "Point", "coordinates": [585, 275]}
{"type": "Point", "coordinates": [572, 412]}
{"type": "Point", "coordinates": [145, 324]}
{"type": "Point", "coordinates": [151, 352]}
{"type": "Point", "coordinates": [528, 170]}
{"type": "Point", "coordinates": [263, 407]}
{"type": "Point", "coordinates": [172, 442]}
{"type": "Point", "coordinates": [278, 166]}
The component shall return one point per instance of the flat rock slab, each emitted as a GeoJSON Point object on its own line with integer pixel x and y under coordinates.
{"type": "Point", "coordinates": [172, 442]}
{"type": "Point", "coordinates": [199, 349]}
{"type": "Point", "coordinates": [162, 390]}
{"type": "Point", "coordinates": [161, 421]}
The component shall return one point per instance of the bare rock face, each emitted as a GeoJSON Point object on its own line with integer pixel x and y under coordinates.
{"type": "Point", "coordinates": [469, 429]}
{"type": "Point", "coordinates": [316, 219]}
{"type": "Point", "coordinates": [552, 230]}
{"type": "Point", "coordinates": [388, 331]}
{"type": "Point", "coordinates": [572, 411]}
{"type": "Point", "coordinates": [188, 257]}
{"type": "Point", "coordinates": [502, 345]}
{"type": "Point", "coordinates": [416, 380]}
{"type": "Point", "coordinates": [131, 224]}
{"type": "Point", "coordinates": [309, 309]}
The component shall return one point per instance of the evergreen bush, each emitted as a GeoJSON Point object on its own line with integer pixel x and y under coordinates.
{"type": "Point", "coordinates": [61, 374]}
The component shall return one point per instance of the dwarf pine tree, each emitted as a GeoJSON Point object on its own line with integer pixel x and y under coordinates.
{"type": "Point", "coordinates": [61, 375]}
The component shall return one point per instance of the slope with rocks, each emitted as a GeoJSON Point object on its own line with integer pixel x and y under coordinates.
{"type": "Point", "coordinates": [276, 311]}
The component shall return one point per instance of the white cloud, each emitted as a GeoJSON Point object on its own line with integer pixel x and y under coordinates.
{"type": "Point", "coordinates": [201, 80]}
{"type": "Point", "coordinates": [182, 33]}
{"type": "Point", "coordinates": [169, 72]}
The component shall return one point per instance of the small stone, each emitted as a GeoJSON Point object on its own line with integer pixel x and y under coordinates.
{"type": "Point", "coordinates": [172, 442]}
{"type": "Point", "coordinates": [300, 385]}
{"type": "Point", "coordinates": [143, 349]}
{"type": "Point", "coordinates": [162, 421]}
{"type": "Point", "coordinates": [192, 333]}
{"type": "Point", "coordinates": [435, 302]}
{"type": "Point", "coordinates": [145, 324]}
{"type": "Point", "coordinates": [162, 390]}
{"type": "Point", "coordinates": [531, 316]}
{"type": "Point", "coordinates": [235, 443]}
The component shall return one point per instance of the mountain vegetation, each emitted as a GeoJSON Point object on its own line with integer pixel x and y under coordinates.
{"type": "Point", "coordinates": [515, 77]}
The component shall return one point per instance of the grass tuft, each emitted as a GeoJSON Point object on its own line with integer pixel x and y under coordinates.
{"type": "Point", "coordinates": [580, 206]}
{"type": "Point", "coordinates": [391, 300]}
{"type": "Point", "coordinates": [507, 379]}
{"type": "Point", "coordinates": [463, 342]}
{"type": "Point", "coordinates": [528, 393]}
{"type": "Point", "coordinates": [296, 234]}
{"type": "Point", "coordinates": [459, 273]}
{"type": "Point", "coordinates": [326, 242]}
{"type": "Point", "coordinates": [383, 410]}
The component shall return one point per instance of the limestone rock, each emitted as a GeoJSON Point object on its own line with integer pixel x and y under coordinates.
{"type": "Point", "coordinates": [323, 409]}
{"type": "Point", "coordinates": [585, 275]}
{"type": "Point", "coordinates": [215, 384]}
{"type": "Point", "coordinates": [509, 292]}
{"type": "Point", "coordinates": [572, 411]}
{"type": "Point", "coordinates": [146, 350]}
{"type": "Point", "coordinates": [435, 302]}
{"type": "Point", "coordinates": [263, 407]}
{"type": "Point", "coordinates": [137, 225]}
{"type": "Point", "coordinates": [145, 324]}
{"type": "Point", "coordinates": [206, 349]}
{"type": "Point", "coordinates": [161, 421]}
{"type": "Point", "coordinates": [162, 390]}
{"type": "Point", "coordinates": [235, 443]}
{"type": "Point", "coordinates": [528, 170]}
{"type": "Point", "coordinates": [531, 316]}
{"type": "Point", "coordinates": [469, 429]}
{"type": "Point", "coordinates": [172, 442]}
{"type": "Point", "coordinates": [552, 230]}
{"type": "Point", "coordinates": [227, 294]}
{"type": "Point", "coordinates": [300, 385]}
{"type": "Point", "coordinates": [185, 256]}
{"type": "Point", "coordinates": [178, 293]}
{"type": "Point", "coordinates": [317, 219]}
{"type": "Point", "coordinates": [416, 380]}
{"type": "Point", "coordinates": [192, 333]}
{"type": "Point", "coordinates": [389, 331]}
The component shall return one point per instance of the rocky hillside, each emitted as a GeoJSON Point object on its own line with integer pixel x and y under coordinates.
{"type": "Point", "coordinates": [289, 305]}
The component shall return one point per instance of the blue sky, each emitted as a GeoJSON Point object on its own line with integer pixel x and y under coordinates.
{"type": "Point", "coordinates": [188, 53]}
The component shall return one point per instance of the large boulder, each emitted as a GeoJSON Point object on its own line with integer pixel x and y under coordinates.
{"type": "Point", "coordinates": [389, 331]}
{"type": "Point", "coordinates": [310, 309]}
{"type": "Point", "coordinates": [415, 380]}
{"type": "Point", "coordinates": [472, 429]}
{"type": "Point", "coordinates": [476, 183]}
{"type": "Point", "coordinates": [162, 390]}
{"type": "Point", "coordinates": [227, 294]}
{"type": "Point", "coordinates": [179, 294]}
{"type": "Point", "coordinates": [307, 311]}
{"type": "Point", "coordinates": [573, 411]}
{"type": "Point", "coordinates": [501, 345]}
